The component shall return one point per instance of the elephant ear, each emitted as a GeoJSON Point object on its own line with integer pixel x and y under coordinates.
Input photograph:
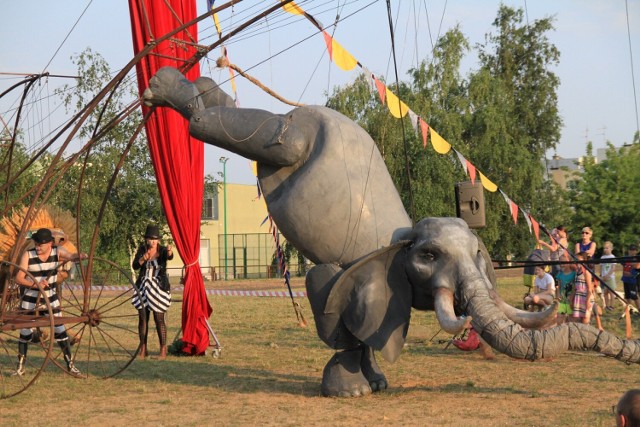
{"type": "Point", "coordinates": [483, 261]}
{"type": "Point", "coordinates": [374, 299]}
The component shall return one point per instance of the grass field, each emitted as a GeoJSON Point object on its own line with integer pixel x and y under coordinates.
{"type": "Point", "coordinates": [270, 370]}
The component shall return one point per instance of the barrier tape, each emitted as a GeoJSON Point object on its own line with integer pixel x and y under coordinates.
{"type": "Point", "coordinates": [221, 292]}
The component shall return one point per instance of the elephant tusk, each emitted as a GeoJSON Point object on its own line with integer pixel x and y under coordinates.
{"type": "Point", "coordinates": [445, 314]}
{"type": "Point", "coordinates": [523, 318]}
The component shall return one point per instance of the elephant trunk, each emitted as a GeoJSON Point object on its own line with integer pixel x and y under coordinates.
{"type": "Point", "coordinates": [443, 305]}
{"type": "Point", "coordinates": [509, 338]}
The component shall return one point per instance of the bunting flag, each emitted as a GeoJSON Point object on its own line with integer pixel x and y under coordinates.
{"type": "Point", "coordinates": [424, 127]}
{"type": "Point", "coordinates": [343, 59]}
{"type": "Point", "coordinates": [487, 184]}
{"type": "Point", "coordinates": [536, 227]}
{"type": "Point", "coordinates": [513, 208]}
{"type": "Point", "coordinates": [526, 217]}
{"type": "Point", "coordinates": [472, 172]}
{"type": "Point", "coordinates": [413, 117]}
{"type": "Point", "coordinates": [439, 144]}
{"type": "Point", "coordinates": [396, 107]}
{"type": "Point", "coordinates": [382, 89]}
{"type": "Point", "coordinates": [461, 159]}
{"type": "Point", "coordinates": [292, 8]}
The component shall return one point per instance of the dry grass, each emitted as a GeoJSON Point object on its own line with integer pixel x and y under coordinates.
{"type": "Point", "coordinates": [270, 372]}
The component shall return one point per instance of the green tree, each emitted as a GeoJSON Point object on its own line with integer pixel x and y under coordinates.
{"type": "Point", "coordinates": [605, 197]}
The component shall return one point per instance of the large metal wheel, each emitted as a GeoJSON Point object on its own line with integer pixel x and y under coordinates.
{"type": "Point", "coordinates": [101, 322]}
{"type": "Point", "coordinates": [12, 320]}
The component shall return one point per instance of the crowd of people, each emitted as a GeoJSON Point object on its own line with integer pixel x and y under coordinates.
{"type": "Point", "coordinates": [584, 290]}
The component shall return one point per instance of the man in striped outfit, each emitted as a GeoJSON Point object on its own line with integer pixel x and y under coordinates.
{"type": "Point", "coordinates": [42, 262]}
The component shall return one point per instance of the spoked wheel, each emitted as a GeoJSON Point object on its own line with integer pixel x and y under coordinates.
{"type": "Point", "coordinates": [101, 322]}
{"type": "Point", "coordinates": [12, 319]}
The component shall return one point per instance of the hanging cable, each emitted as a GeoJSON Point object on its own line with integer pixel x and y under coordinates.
{"type": "Point", "coordinates": [633, 81]}
{"type": "Point", "coordinates": [404, 136]}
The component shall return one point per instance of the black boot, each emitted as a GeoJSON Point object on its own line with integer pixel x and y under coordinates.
{"type": "Point", "coordinates": [66, 351]}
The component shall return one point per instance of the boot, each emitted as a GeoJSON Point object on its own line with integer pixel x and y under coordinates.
{"type": "Point", "coordinates": [20, 369]}
{"type": "Point", "coordinates": [66, 351]}
{"type": "Point", "coordinates": [163, 352]}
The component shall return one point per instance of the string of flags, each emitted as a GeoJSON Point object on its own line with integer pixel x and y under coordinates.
{"type": "Point", "coordinates": [398, 109]}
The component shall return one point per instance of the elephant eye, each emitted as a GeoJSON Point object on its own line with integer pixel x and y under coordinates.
{"type": "Point", "coordinates": [427, 255]}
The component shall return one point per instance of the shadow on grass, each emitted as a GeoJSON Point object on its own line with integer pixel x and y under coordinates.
{"type": "Point", "coordinates": [229, 378]}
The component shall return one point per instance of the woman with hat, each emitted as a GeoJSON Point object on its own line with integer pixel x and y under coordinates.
{"type": "Point", "coordinates": [153, 284]}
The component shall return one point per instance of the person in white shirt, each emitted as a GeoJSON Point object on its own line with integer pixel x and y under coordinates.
{"type": "Point", "coordinates": [544, 289]}
{"type": "Point", "coordinates": [608, 275]}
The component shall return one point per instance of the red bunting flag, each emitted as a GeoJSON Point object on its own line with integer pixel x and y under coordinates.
{"type": "Point", "coordinates": [472, 172]}
{"type": "Point", "coordinates": [536, 227]}
{"type": "Point", "coordinates": [329, 41]}
{"type": "Point", "coordinates": [514, 211]}
{"type": "Point", "coordinates": [424, 127]}
{"type": "Point", "coordinates": [382, 89]}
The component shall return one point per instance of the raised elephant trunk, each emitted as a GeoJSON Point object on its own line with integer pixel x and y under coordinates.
{"type": "Point", "coordinates": [509, 338]}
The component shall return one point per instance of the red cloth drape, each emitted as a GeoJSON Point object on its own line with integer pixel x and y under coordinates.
{"type": "Point", "coordinates": [177, 158]}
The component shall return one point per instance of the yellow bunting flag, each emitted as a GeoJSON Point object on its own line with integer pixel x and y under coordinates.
{"type": "Point", "coordinates": [292, 8]}
{"type": "Point", "coordinates": [439, 144]}
{"type": "Point", "coordinates": [217, 23]}
{"type": "Point", "coordinates": [488, 185]}
{"type": "Point", "coordinates": [254, 168]}
{"type": "Point", "coordinates": [396, 107]}
{"type": "Point", "coordinates": [338, 54]}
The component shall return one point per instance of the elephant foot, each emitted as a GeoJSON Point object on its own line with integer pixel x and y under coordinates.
{"type": "Point", "coordinates": [371, 370]}
{"type": "Point", "coordinates": [169, 88]}
{"type": "Point", "coordinates": [342, 376]}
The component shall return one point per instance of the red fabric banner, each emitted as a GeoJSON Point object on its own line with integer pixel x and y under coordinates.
{"type": "Point", "coordinates": [178, 159]}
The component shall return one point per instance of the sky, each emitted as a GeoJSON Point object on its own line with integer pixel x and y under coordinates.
{"type": "Point", "coordinates": [596, 96]}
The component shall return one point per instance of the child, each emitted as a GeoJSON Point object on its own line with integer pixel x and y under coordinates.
{"type": "Point", "coordinates": [544, 288]}
{"type": "Point", "coordinates": [608, 275]}
{"type": "Point", "coordinates": [564, 282]}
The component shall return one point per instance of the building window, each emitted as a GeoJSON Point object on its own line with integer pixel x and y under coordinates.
{"type": "Point", "coordinates": [210, 206]}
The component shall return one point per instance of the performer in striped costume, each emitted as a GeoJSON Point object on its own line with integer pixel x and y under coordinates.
{"type": "Point", "coordinates": [153, 284]}
{"type": "Point", "coordinates": [42, 262]}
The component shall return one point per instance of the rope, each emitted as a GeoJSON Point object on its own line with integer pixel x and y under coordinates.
{"type": "Point", "coordinates": [223, 62]}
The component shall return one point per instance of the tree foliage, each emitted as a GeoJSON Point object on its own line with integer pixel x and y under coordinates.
{"type": "Point", "coordinates": [605, 197]}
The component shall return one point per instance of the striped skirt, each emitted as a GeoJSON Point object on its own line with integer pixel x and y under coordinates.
{"type": "Point", "coordinates": [151, 296]}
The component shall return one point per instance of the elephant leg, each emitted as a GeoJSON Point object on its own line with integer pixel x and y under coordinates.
{"type": "Point", "coordinates": [371, 370]}
{"type": "Point", "coordinates": [343, 377]}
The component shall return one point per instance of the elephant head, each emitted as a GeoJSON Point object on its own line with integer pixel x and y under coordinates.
{"type": "Point", "coordinates": [442, 265]}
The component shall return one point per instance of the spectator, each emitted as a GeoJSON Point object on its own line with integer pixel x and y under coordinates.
{"type": "Point", "coordinates": [586, 244]}
{"type": "Point", "coordinates": [628, 409]}
{"type": "Point", "coordinates": [557, 247]}
{"type": "Point", "coordinates": [564, 285]}
{"type": "Point", "coordinates": [629, 273]}
{"type": "Point", "coordinates": [544, 288]}
{"type": "Point", "coordinates": [608, 274]}
{"type": "Point", "coordinates": [582, 293]}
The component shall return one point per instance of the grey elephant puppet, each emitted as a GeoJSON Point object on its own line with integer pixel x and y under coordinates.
{"type": "Point", "coordinates": [328, 190]}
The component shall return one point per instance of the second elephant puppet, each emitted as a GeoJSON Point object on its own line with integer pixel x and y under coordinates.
{"type": "Point", "coordinates": [328, 190]}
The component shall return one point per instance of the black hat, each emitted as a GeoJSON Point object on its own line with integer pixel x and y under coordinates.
{"type": "Point", "coordinates": [152, 232]}
{"type": "Point", "coordinates": [43, 235]}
